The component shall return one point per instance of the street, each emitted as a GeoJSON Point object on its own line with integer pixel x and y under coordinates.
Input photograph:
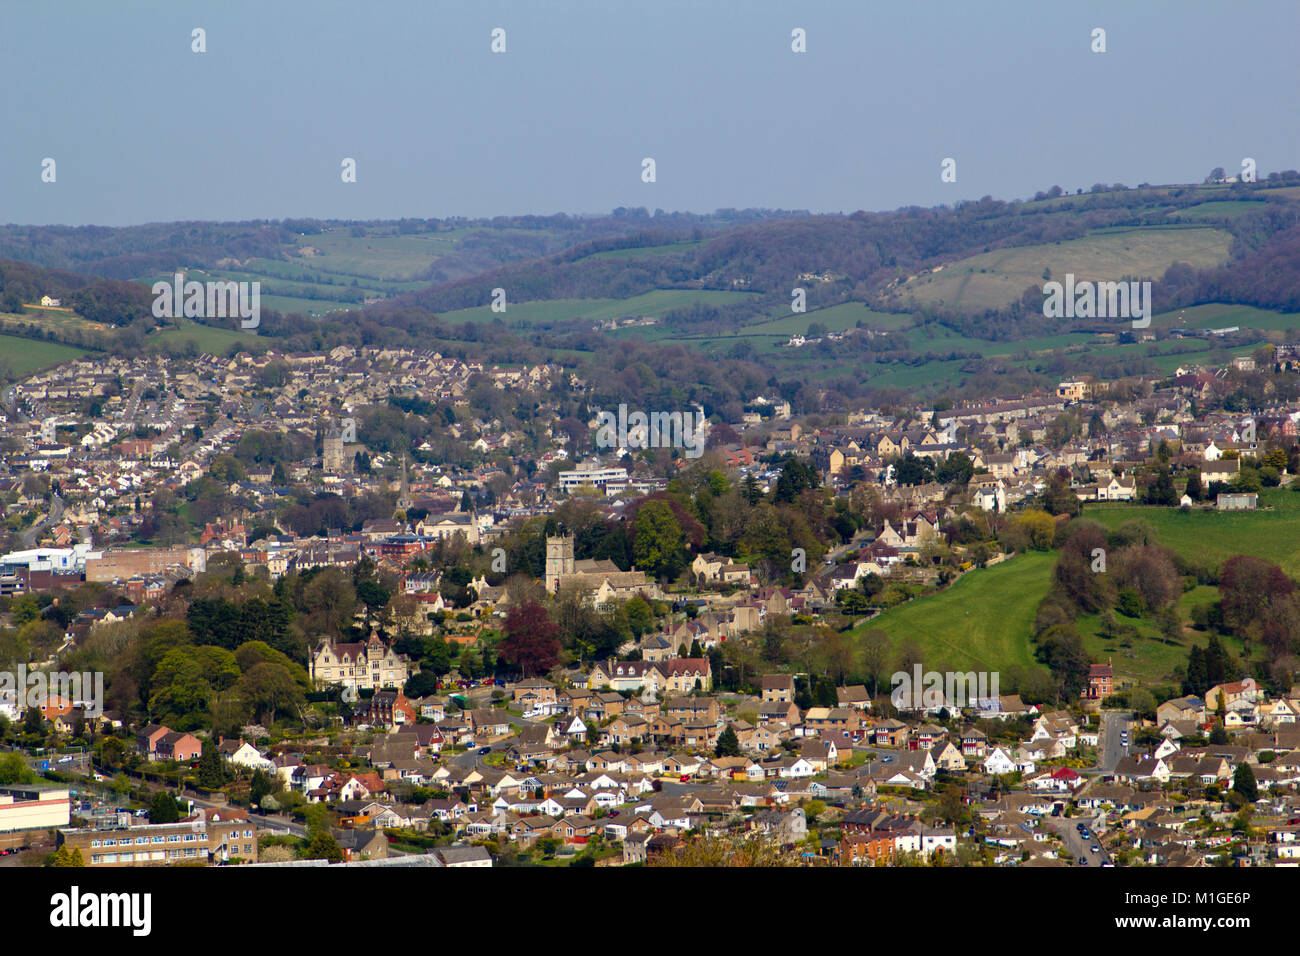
{"type": "Point", "coordinates": [1067, 829]}
{"type": "Point", "coordinates": [1113, 723]}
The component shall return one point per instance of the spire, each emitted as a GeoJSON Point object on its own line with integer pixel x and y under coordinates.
{"type": "Point", "coordinates": [404, 495]}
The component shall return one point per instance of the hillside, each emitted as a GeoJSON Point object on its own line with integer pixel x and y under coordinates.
{"type": "Point", "coordinates": [983, 621]}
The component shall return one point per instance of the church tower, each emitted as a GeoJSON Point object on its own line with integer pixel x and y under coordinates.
{"type": "Point", "coordinates": [559, 560]}
{"type": "Point", "coordinates": [333, 455]}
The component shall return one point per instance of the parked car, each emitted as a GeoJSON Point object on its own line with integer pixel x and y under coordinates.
{"type": "Point", "coordinates": [1095, 848]}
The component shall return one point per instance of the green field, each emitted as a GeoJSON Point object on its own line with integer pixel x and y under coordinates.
{"type": "Point", "coordinates": [1272, 533]}
{"type": "Point", "coordinates": [992, 280]}
{"type": "Point", "coordinates": [837, 318]}
{"type": "Point", "coordinates": [205, 337]}
{"type": "Point", "coordinates": [1219, 209]}
{"type": "Point", "coordinates": [20, 356]}
{"type": "Point", "coordinates": [1218, 315]}
{"type": "Point", "coordinates": [982, 622]}
{"type": "Point", "coordinates": [664, 250]}
{"type": "Point", "coordinates": [650, 304]}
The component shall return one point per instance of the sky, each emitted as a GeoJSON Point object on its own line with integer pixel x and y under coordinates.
{"type": "Point", "coordinates": [143, 129]}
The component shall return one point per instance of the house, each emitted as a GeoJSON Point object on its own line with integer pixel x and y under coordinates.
{"type": "Point", "coordinates": [974, 744]}
{"type": "Point", "coordinates": [998, 762]}
{"type": "Point", "coordinates": [362, 844]}
{"type": "Point", "coordinates": [855, 696]}
{"type": "Point", "coordinates": [1101, 682]}
{"type": "Point", "coordinates": [177, 746]}
{"type": "Point", "coordinates": [387, 708]}
{"type": "Point", "coordinates": [371, 665]}
{"type": "Point", "coordinates": [778, 688]}
{"type": "Point", "coordinates": [489, 723]}
{"type": "Point", "coordinates": [1229, 693]}
{"type": "Point", "coordinates": [535, 690]}
{"type": "Point", "coordinates": [464, 856]}
{"type": "Point", "coordinates": [240, 753]}
{"type": "Point", "coordinates": [1181, 708]}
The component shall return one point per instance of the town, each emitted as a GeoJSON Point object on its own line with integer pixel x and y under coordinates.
{"type": "Point", "coordinates": [382, 607]}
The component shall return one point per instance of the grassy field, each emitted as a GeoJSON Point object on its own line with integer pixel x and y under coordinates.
{"type": "Point", "coordinates": [21, 356]}
{"type": "Point", "coordinates": [1272, 533]}
{"type": "Point", "coordinates": [206, 338]}
{"type": "Point", "coordinates": [1149, 659]}
{"type": "Point", "coordinates": [994, 279]}
{"type": "Point", "coordinates": [837, 318]}
{"type": "Point", "coordinates": [1219, 209]}
{"type": "Point", "coordinates": [1218, 315]}
{"type": "Point", "coordinates": [650, 304]}
{"type": "Point", "coordinates": [663, 250]}
{"type": "Point", "coordinates": [982, 622]}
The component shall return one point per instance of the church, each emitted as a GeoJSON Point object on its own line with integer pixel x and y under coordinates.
{"type": "Point", "coordinates": [602, 579]}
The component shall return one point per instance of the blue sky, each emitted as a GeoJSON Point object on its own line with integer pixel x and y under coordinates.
{"type": "Point", "coordinates": [142, 129]}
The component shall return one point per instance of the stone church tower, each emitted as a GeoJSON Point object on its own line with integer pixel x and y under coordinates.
{"type": "Point", "coordinates": [333, 456]}
{"type": "Point", "coordinates": [559, 560]}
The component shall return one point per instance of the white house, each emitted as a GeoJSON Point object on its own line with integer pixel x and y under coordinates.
{"type": "Point", "coordinates": [246, 755]}
{"type": "Point", "coordinates": [998, 762]}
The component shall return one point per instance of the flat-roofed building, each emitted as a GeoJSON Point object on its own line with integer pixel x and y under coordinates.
{"type": "Point", "coordinates": [209, 837]}
{"type": "Point", "coordinates": [34, 807]}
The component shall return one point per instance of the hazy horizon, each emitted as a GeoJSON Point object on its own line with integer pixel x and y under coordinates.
{"type": "Point", "coordinates": [144, 130]}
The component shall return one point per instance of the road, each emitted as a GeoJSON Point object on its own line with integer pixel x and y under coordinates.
{"type": "Point", "coordinates": [859, 540]}
{"type": "Point", "coordinates": [1113, 722]}
{"type": "Point", "coordinates": [29, 537]}
{"type": "Point", "coordinates": [1066, 829]}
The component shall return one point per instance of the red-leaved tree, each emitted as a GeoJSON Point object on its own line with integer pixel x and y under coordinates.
{"type": "Point", "coordinates": [532, 641]}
